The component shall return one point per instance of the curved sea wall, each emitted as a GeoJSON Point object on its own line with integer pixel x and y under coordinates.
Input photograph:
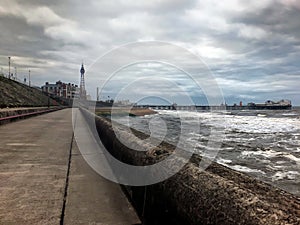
{"type": "Point", "coordinates": [218, 195]}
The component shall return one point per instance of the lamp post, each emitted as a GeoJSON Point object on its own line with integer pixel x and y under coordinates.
{"type": "Point", "coordinates": [98, 94]}
{"type": "Point", "coordinates": [9, 67]}
{"type": "Point", "coordinates": [29, 79]}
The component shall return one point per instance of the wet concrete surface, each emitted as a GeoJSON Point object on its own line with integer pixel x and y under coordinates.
{"type": "Point", "coordinates": [34, 161]}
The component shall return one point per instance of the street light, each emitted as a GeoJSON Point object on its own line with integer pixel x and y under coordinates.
{"type": "Point", "coordinates": [29, 79]}
{"type": "Point", "coordinates": [15, 73]}
{"type": "Point", "coordinates": [9, 67]}
{"type": "Point", "coordinates": [98, 94]}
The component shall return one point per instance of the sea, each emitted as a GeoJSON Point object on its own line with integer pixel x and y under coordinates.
{"type": "Point", "coordinates": [262, 143]}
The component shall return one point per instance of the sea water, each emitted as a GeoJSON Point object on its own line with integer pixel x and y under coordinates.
{"type": "Point", "coordinates": [264, 144]}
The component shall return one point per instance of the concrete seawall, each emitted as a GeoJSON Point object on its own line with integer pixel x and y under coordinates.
{"type": "Point", "coordinates": [217, 195]}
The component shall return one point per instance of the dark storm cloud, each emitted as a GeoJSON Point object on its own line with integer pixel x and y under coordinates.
{"type": "Point", "coordinates": [18, 38]}
{"type": "Point", "coordinates": [251, 47]}
{"type": "Point", "coordinates": [277, 18]}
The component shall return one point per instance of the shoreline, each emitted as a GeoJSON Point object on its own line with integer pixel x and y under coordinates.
{"type": "Point", "coordinates": [123, 111]}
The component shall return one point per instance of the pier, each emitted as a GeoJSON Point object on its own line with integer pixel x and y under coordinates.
{"type": "Point", "coordinates": [216, 107]}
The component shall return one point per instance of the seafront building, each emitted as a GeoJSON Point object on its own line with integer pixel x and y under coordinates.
{"type": "Point", "coordinates": [60, 89]}
{"type": "Point", "coordinates": [67, 90]}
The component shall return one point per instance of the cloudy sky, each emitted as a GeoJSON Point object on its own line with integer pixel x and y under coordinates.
{"type": "Point", "coordinates": [252, 48]}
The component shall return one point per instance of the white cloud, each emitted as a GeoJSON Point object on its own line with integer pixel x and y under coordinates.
{"type": "Point", "coordinates": [252, 32]}
{"type": "Point", "coordinates": [54, 25]}
{"type": "Point", "coordinates": [244, 42]}
{"type": "Point", "coordinates": [291, 3]}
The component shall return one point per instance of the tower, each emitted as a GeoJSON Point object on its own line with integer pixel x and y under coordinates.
{"type": "Point", "coordinates": [82, 93]}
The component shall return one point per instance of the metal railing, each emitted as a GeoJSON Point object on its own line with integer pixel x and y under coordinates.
{"type": "Point", "coordinates": [25, 115]}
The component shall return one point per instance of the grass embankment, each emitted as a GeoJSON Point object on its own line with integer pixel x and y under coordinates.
{"type": "Point", "coordinates": [123, 111]}
{"type": "Point", "coordinates": [15, 94]}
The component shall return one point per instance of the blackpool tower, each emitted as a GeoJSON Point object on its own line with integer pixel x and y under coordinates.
{"type": "Point", "coordinates": [82, 92]}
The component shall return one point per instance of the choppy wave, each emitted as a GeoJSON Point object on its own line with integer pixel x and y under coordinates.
{"type": "Point", "coordinates": [265, 144]}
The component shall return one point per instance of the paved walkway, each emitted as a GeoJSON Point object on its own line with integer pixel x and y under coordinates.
{"type": "Point", "coordinates": [34, 159]}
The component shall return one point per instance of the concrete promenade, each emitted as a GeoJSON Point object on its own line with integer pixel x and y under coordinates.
{"type": "Point", "coordinates": [36, 187]}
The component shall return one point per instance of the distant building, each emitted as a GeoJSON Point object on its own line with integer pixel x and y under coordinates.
{"type": "Point", "coordinates": [60, 89]}
{"type": "Point", "coordinates": [282, 102]}
{"type": "Point", "coordinates": [88, 97]}
{"type": "Point", "coordinates": [123, 103]}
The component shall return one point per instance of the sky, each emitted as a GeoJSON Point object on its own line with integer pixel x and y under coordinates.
{"type": "Point", "coordinates": [250, 48]}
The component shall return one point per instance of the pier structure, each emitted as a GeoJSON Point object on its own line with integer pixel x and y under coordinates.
{"type": "Point", "coordinates": [217, 107]}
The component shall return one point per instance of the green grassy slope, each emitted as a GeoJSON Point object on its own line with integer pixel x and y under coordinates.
{"type": "Point", "coordinates": [14, 94]}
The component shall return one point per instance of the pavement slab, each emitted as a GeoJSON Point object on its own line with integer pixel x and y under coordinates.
{"type": "Point", "coordinates": [34, 161]}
